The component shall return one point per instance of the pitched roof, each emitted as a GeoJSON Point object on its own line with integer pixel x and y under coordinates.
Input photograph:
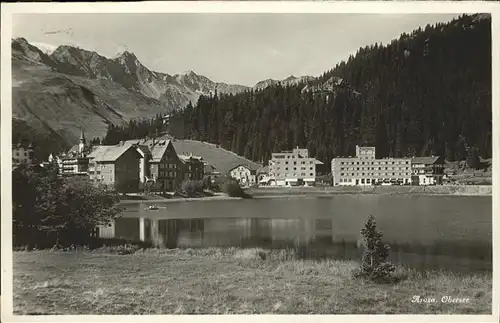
{"type": "Point", "coordinates": [109, 153]}
{"type": "Point", "coordinates": [425, 160]}
{"type": "Point", "coordinates": [75, 148]}
{"type": "Point", "coordinates": [223, 160]}
{"type": "Point", "coordinates": [144, 150]}
{"type": "Point", "coordinates": [155, 148]}
{"type": "Point", "coordinates": [185, 158]}
{"type": "Point", "coordinates": [157, 151]}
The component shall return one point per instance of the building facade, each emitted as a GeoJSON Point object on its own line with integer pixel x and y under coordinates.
{"type": "Point", "coordinates": [75, 162]}
{"type": "Point", "coordinates": [192, 167]}
{"type": "Point", "coordinates": [292, 168]}
{"type": "Point", "coordinates": [365, 169]}
{"type": "Point", "coordinates": [427, 170]}
{"type": "Point", "coordinates": [22, 154]}
{"type": "Point", "coordinates": [164, 165]}
{"type": "Point", "coordinates": [244, 175]}
{"type": "Point", "coordinates": [73, 166]}
{"type": "Point", "coordinates": [116, 165]}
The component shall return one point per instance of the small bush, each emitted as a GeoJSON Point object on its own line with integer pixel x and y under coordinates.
{"type": "Point", "coordinates": [374, 265]}
{"type": "Point", "coordinates": [232, 188]}
{"type": "Point", "coordinates": [192, 188]}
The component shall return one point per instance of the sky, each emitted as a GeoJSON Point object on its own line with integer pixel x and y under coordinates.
{"type": "Point", "coordinates": [233, 48]}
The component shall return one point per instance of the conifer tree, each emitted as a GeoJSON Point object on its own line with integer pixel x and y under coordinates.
{"type": "Point", "coordinates": [374, 264]}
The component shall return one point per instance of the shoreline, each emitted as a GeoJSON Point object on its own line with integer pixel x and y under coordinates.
{"type": "Point", "coordinates": [180, 199]}
{"type": "Point", "coordinates": [325, 192]}
{"type": "Point", "coordinates": [438, 190]}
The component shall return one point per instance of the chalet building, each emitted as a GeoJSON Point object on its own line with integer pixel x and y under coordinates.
{"type": "Point", "coordinates": [292, 168]}
{"type": "Point", "coordinates": [23, 154]}
{"type": "Point", "coordinates": [365, 169]}
{"type": "Point", "coordinates": [246, 175]}
{"type": "Point", "coordinates": [427, 170]}
{"type": "Point", "coordinates": [164, 165]}
{"type": "Point", "coordinates": [192, 167]}
{"type": "Point", "coordinates": [116, 165]}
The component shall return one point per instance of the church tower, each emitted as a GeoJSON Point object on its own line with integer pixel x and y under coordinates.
{"type": "Point", "coordinates": [81, 145]}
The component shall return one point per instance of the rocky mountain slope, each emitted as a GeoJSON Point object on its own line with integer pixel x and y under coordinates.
{"type": "Point", "coordinates": [72, 89]}
{"type": "Point", "coordinates": [291, 80]}
{"type": "Point", "coordinates": [66, 89]}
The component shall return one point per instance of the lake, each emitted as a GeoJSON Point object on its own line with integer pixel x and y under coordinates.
{"type": "Point", "coordinates": [438, 232]}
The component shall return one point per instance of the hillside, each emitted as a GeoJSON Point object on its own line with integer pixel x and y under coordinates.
{"type": "Point", "coordinates": [73, 89]}
{"type": "Point", "coordinates": [426, 93]}
{"type": "Point", "coordinates": [216, 156]}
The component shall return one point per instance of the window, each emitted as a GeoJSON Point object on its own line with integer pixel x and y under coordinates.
{"type": "Point", "coordinates": [311, 174]}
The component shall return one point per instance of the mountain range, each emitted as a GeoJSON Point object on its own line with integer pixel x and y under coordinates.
{"type": "Point", "coordinates": [59, 92]}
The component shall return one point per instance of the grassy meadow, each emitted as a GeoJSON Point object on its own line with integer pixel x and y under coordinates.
{"type": "Point", "coordinates": [227, 281]}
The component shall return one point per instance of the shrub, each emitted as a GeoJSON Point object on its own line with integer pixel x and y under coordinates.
{"type": "Point", "coordinates": [232, 188]}
{"type": "Point", "coordinates": [50, 209]}
{"type": "Point", "coordinates": [374, 265]}
{"type": "Point", "coordinates": [192, 187]}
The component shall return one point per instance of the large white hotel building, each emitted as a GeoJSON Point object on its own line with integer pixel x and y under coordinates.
{"type": "Point", "coordinates": [291, 168]}
{"type": "Point", "coordinates": [365, 169]}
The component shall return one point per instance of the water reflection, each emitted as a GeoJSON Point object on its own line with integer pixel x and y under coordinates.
{"type": "Point", "coordinates": [311, 238]}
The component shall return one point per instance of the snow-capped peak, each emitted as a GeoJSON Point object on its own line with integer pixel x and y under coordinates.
{"type": "Point", "coordinates": [45, 48]}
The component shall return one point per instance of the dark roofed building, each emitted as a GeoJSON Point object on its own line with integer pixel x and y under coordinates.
{"type": "Point", "coordinates": [192, 167]}
{"type": "Point", "coordinates": [427, 170]}
{"type": "Point", "coordinates": [164, 164]}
